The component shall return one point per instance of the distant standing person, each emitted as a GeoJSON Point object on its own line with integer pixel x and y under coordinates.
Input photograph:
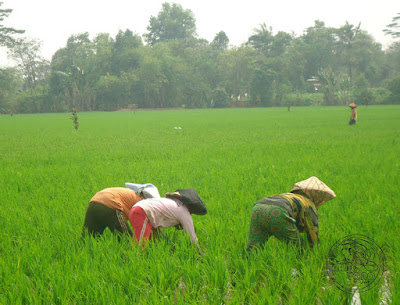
{"type": "Point", "coordinates": [287, 215]}
{"type": "Point", "coordinates": [353, 118]}
{"type": "Point", "coordinates": [172, 211]}
{"type": "Point", "coordinates": [109, 208]}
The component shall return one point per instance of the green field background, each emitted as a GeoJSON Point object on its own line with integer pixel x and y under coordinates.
{"type": "Point", "coordinates": [232, 157]}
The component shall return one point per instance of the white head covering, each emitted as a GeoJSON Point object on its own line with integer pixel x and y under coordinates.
{"type": "Point", "coordinates": [146, 190]}
{"type": "Point", "coordinates": [315, 189]}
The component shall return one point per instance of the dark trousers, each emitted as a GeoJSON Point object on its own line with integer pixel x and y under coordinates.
{"type": "Point", "coordinates": [99, 217]}
{"type": "Point", "coordinates": [352, 122]}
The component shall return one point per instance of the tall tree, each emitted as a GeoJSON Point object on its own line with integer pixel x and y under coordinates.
{"type": "Point", "coordinates": [70, 66]}
{"type": "Point", "coordinates": [200, 75]}
{"type": "Point", "coordinates": [347, 36]}
{"type": "Point", "coordinates": [236, 68]}
{"type": "Point", "coordinates": [393, 59]}
{"type": "Point", "coordinates": [393, 29]}
{"type": "Point", "coordinates": [364, 57]}
{"type": "Point", "coordinates": [151, 79]}
{"type": "Point", "coordinates": [109, 92]}
{"type": "Point", "coordinates": [267, 44]}
{"type": "Point", "coordinates": [316, 49]}
{"type": "Point", "coordinates": [10, 81]}
{"type": "Point", "coordinates": [281, 43]}
{"type": "Point", "coordinates": [171, 23]}
{"type": "Point", "coordinates": [330, 86]}
{"type": "Point", "coordinates": [394, 88]}
{"type": "Point", "coordinates": [262, 90]}
{"type": "Point", "coordinates": [336, 87]}
{"type": "Point", "coordinates": [100, 63]}
{"type": "Point", "coordinates": [262, 39]}
{"type": "Point", "coordinates": [220, 42]}
{"type": "Point", "coordinates": [26, 53]}
{"type": "Point", "coordinates": [125, 52]}
{"type": "Point", "coordinates": [6, 33]}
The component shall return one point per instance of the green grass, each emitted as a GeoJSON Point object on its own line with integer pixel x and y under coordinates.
{"type": "Point", "coordinates": [232, 157]}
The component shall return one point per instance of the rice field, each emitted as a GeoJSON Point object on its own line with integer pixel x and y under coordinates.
{"type": "Point", "coordinates": [232, 157]}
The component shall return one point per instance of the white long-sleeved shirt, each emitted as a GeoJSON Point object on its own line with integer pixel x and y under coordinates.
{"type": "Point", "coordinates": [165, 213]}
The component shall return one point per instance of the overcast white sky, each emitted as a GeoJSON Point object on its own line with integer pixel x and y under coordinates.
{"type": "Point", "coordinates": [53, 21]}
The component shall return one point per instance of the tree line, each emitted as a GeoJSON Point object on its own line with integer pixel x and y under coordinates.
{"type": "Point", "coordinates": [170, 66]}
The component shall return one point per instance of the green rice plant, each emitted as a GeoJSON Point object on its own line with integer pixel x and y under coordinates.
{"type": "Point", "coordinates": [74, 118]}
{"type": "Point", "coordinates": [233, 158]}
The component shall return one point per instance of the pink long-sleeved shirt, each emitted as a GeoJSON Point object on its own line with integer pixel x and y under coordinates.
{"type": "Point", "coordinates": [165, 213]}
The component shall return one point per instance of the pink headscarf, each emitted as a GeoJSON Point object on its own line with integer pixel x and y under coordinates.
{"type": "Point", "coordinates": [315, 189]}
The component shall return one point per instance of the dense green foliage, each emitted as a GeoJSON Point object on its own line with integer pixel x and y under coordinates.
{"type": "Point", "coordinates": [176, 68]}
{"type": "Point", "coordinates": [232, 157]}
{"type": "Point", "coordinates": [172, 23]}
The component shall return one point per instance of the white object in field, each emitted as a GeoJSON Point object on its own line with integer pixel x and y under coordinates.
{"type": "Point", "coordinates": [386, 296]}
{"type": "Point", "coordinates": [356, 297]}
{"type": "Point", "coordinates": [148, 190]}
{"type": "Point", "coordinates": [177, 127]}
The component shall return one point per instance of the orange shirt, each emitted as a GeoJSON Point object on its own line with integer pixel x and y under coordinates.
{"type": "Point", "coordinates": [118, 198]}
{"type": "Point", "coordinates": [354, 114]}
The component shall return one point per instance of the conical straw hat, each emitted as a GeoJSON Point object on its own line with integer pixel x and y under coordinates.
{"type": "Point", "coordinates": [315, 189]}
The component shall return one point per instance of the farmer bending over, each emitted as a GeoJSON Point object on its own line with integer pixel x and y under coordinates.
{"type": "Point", "coordinates": [110, 208]}
{"type": "Point", "coordinates": [174, 210]}
{"type": "Point", "coordinates": [287, 215]}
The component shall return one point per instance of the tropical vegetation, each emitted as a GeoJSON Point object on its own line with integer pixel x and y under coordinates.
{"type": "Point", "coordinates": [170, 66]}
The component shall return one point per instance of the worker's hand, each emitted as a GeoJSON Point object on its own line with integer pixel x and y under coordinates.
{"type": "Point", "coordinates": [201, 253]}
{"type": "Point", "coordinates": [155, 233]}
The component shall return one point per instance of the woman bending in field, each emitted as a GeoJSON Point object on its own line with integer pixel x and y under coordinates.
{"type": "Point", "coordinates": [287, 215]}
{"type": "Point", "coordinates": [174, 210]}
{"type": "Point", "coordinates": [110, 207]}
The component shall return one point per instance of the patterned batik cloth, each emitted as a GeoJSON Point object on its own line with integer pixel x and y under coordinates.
{"type": "Point", "coordinates": [305, 214]}
{"type": "Point", "coordinates": [271, 220]}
